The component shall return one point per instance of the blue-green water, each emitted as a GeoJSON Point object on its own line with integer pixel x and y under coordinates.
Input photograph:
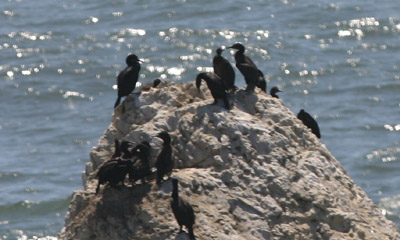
{"type": "Point", "coordinates": [339, 60]}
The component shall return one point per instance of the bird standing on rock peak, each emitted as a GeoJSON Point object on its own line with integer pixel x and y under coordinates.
{"type": "Point", "coordinates": [182, 210]}
{"type": "Point", "coordinates": [128, 77]}
{"type": "Point", "coordinates": [309, 122]}
{"type": "Point", "coordinates": [223, 68]}
{"type": "Point", "coordinates": [164, 163]}
{"type": "Point", "coordinates": [216, 86]}
{"type": "Point", "coordinates": [252, 75]}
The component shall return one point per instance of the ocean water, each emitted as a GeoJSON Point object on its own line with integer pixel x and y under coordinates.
{"type": "Point", "coordinates": [339, 60]}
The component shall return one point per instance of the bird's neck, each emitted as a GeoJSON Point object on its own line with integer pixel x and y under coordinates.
{"type": "Point", "coordinates": [239, 56]}
{"type": "Point", "coordinates": [134, 65]}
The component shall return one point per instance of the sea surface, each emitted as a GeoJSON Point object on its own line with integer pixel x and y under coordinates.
{"type": "Point", "coordinates": [339, 60]}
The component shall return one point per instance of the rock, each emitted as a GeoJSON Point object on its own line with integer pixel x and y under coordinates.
{"type": "Point", "coordinates": [254, 172]}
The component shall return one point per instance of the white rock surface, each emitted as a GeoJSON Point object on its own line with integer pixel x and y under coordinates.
{"type": "Point", "coordinates": [254, 172]}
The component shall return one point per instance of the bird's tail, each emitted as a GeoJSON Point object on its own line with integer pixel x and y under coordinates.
{"type": "Point", "coordinates": [117, 102]}
{"type": "Point", "coordinates": [191, 234]}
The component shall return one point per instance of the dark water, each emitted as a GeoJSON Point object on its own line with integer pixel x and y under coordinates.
{"type": "Point", "coordinates": [339, 60]}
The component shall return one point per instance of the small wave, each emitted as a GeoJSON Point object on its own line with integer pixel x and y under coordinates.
{"type": "Point", "coordinates": [385, 155]}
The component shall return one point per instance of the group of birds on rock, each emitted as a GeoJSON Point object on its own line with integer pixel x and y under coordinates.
{"type": "Point", "coordinates": [136, 162]}
{"type": "Point", "coordinates": [222, 80]}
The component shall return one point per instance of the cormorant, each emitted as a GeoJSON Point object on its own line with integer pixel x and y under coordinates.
{"type": "Point", "coordinates": [182, 210]}
{"type": "Point", "coordinates": [114, 172]}
{"type": "Point", "coordinates": [164, 162]}
{"type": "Point", "coordinates": [223, 68]}
{"type": "Point", "coordinates": [216, 86]}
{"type": "Point", "coordinates": [128, 77]}
{"type": "Point", "coordinates": [156, 82]}
{"type": "Point", "coordinates": [141, 162]}
{"type": "Point", "coordinates": [252, 75]}
{"type": "Point", "coordinates": [273, 92]}
{"type": "Point", "coordinates": [148, 86]}
{"type": "Point", "coordinates": [309, 122]}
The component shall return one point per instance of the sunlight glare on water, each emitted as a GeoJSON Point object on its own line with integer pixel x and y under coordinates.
{"type": "Point", "coordinates": [339, 61]}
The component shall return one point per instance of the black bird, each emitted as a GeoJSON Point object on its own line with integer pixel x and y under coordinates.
{"type": "Point", "coordinates": [248, 69]}
{"type": "Point", "coordinates": [273, 92]}
{"type": "Point", "coordinates": [164, 162]}
{"type": "Point", "coordinates": [156, 82]}
{"type": "Point", "coordinates": [309, 122]}
{"type": "Point", "coordinates": [113, 172]}
{"type": "Point", "coordinates": [216, 86]}
{"type": "Point", "coordinates": [182, 210]}
{"type": "Point", "coordinates": [148, 86]}
{"type": "Point", "coordinates": [128, 77]}
{"type": "Point", "coordinates": [223, 68]}
{"type": "Point", "coordinates": [141, 162]}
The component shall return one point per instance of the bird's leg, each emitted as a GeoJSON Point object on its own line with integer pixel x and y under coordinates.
{"type": "Point", "coordinates": [250, 88]}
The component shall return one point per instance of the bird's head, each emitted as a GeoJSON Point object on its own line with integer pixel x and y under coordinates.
{"type": "Point", "coordinates": [164, 135]}
{"type": "Point", "coordinates": [132, 59]}
{"type": "Point", "coordinates": [219, 50]}
{"type": "Point", "coordinates": [274, 90]}
{"type": "Point", "coordinates": [237, 46]}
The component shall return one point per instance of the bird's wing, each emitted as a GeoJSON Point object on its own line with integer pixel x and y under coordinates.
{"type": "Point", "coordinates": [249, 72]}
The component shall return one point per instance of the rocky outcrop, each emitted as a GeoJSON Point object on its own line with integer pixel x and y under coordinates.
{"type": "Point", "coordinates": [254, 172]}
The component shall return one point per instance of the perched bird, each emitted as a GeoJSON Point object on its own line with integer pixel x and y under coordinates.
{"type": "Point", "coordinates": [128, 77]}
{"type": "Point", "coordinates": [273, 92]}
{"type": "Point", "coordinates": [164, 162]}
{"type": "Point", "coordinates": [156, 82]}
{"type": "Point", "coordinates": [113, 172]}
{"type": "Point", "coordinates": [148, 86]}
{"type": "Point", "coordinates": [309, 122]}
{"type": "Point", "coordinates": [216, 86]}
{"type": "Point", "coordinates": [223, 68]}
{"type": "Point", "coordinates": [182, 210]}
{"type": "Point", "coordinates": [141, 162]}
{"type": "Point", "coordinates": [249, 70]}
